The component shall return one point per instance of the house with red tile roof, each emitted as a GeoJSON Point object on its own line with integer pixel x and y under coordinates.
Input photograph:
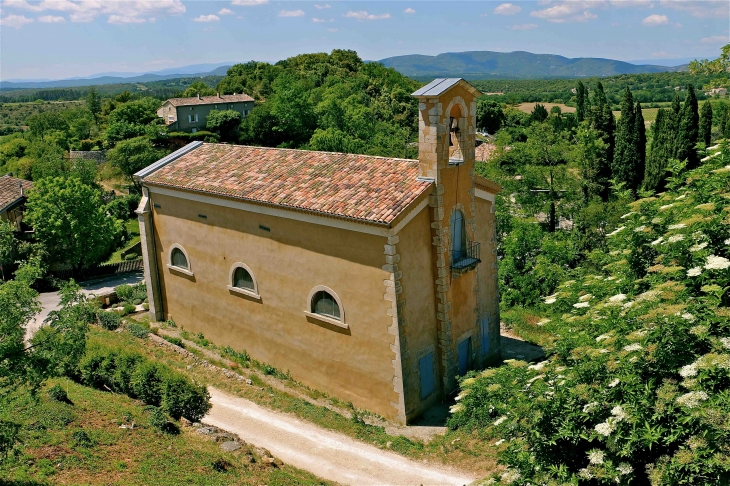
{"type": "Point", "coordinates": [13, 194]}
{"type": "Point", "coordinates": [373, 279]}
{"type": "Point", "coordinates": [191, 114]}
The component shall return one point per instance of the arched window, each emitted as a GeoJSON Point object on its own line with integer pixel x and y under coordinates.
{"type": "Point", "coordinates": [458, 236]}
{"type": "Point", "coordinates": [242, 279]}
{"type": "Point", "coordinates": [325, 304]}
{"type": "Point", "coordinates": [179, 259]}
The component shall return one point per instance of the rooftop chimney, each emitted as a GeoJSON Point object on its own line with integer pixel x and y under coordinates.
{"type": "Point", "coordinates": [198, 94]}
{"type": "Point", "coordinates": [219, 95]}
{"type": "Point", "coordinates": [22, 190]}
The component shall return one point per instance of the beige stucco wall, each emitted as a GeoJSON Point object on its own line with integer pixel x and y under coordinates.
{"type": "Point", "coordinates": [355, 364]}
{"type": "Point", "coordinates": [487, 277]}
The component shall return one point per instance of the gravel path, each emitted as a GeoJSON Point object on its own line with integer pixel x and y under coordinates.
{"type": "Point", "coordinates": [327, 454]}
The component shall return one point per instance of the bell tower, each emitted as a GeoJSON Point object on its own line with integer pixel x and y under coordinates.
{"type": "Point", "coordinates": [446, 141]}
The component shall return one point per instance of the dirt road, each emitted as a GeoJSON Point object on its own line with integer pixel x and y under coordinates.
{"type": "Point", "coordinates": [327, 454]}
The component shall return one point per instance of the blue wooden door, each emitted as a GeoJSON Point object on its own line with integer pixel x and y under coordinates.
{"type": "Point", "coordinates": [484, 327]}
{"type": "Point", "coordinates": [425, 369]}
{"type": "Point", "coordinates": [457, 236]}
{"type": "Point", "coordinates": [463, 350]}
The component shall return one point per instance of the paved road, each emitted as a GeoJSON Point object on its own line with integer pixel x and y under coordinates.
{"type": "Point", "coordinates": [327, 454]}
{"type": "Point", "coordinates": [50, 300]}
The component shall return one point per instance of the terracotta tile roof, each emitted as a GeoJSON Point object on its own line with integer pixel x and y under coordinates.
{"type": "Point", "coordinates": [484, 152]}
{"type": "Point", "coordinates": [210, 100]}
{"type": "Point", "coordinates": [10, 190]}
{"type": "Point", "coordinates": [370, 189]}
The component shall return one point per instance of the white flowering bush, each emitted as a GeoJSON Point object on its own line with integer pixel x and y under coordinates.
{"type": "Point", "coordinates": [636, 388]}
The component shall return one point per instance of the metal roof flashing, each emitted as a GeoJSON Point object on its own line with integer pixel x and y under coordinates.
{"type": "Point", "coordinates": [440, 85]}
{"type": "Point", "coordinates": [150, 169]}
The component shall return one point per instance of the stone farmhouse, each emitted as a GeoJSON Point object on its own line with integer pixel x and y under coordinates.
{"type": "Point", "coordinates": [372, 279]}
{"type": "Point", "coordinates": [12, 199]}
{"type": "Point", "coordinates": [191, 114]}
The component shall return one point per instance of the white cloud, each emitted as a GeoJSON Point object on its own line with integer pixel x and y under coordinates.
{"type": "Point", "coordinates": [225, 11]}
{"type": "Point", "coordinates": [119, 11]}
{"type": "Point", "coordinates": [249, 3]}
{"type": "Point", "coordinates": [655, 19]}
{"type": "Point", "coordinates": [715, 39]}
{"type": "Point", "coordinates": [291, 13]}
{"type": "Point", "coordinates": [569, 11]}
{"type": "Point", "coordinates": [320, 7]}
{"type": "Point", "coordinates": [523, 27]}
{"type": "Point", "coordinates": [331, 30]}
{"type": "Point", "coordinates": [484, 15]}
{"type": "Point", "coordinates": [701, 9]}
{"type": "Point", "coordinates": [507, 9]}
{"type": "Point", "coordinates": [409, 10]}
{"type": "Point", "coordinates": [631, 3]}
{"type": "Point", "coordinates": [207, 18]}
{"type": "Point", "coordinates": [363, 15]}
{"type": "Point", "coordinates": [15, 21]}
{"type": "Point", "coordinates": [50, 19]}
{"type": "Point", "coordinates": [318, 21]}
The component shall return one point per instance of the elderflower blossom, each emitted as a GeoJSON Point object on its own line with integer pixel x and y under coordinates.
{"type": "Point", "coordinates": [617, 231]}
{"type": "Point", "coordinates": [585, 298]}
{"type": "Point", "coordinates": [619, 413]}
{"type": "Point", "coordinates": [698, 247]}
{"type": "Point", "coordinates": [727, 242]}
{"type": "Point", "coordinates": [538, 366]}
{"type": "Point", "coordinates": [457, 408]}
{"type": "Point", "coordinates": [500, 420]}
{"type": "Point", "coordinates": [510, 476]}
{"type": "Point", "coordinates": [688, 317]}
{"type": "Point", "coordinates": [627, 215]}
{"type": "Point", "coordinates": [657, 241]}
{"type": "Point", "coordinates": [542, 322]}
{"type": "Point", "coordinates": [550, 299]}
{"type": "Point", "coordinates": [676, 226]}
{"type": "Point", "coordinates": [666, 206]}
{"type": "Point", "coordinates": [463, 394]}
{"type": "Point", "coordinates": [717, 263]}
{"type": "Point", "coordinates": [581, 305]}
{"type": "Point", "coordinates": [614, 383]}
{"type": "Point", "coordinates": [585, 473]}
{"type": "Point", "coordinates": [692, 399]}
{"type": "Point", "coordinates": [617, 298]}
{"type": "Point", "coordinates": [633, 347]}
{"type": "Point", "coordinates": [681, 197]}
{"type": "Point", "coordinates": [605, 428]}
{"type": "Point", "coordinates": [694, 272]}
{"type": "Point", "coordinates": [499, 442]}
{"type": "Point", "coordinates": [595, 457]}
{"type": "Point", "coordinates": [639, 229]}
{"type": "Point", "coordinates": [675, 238]}
{"type": "Point", "coordinates": [625, 468]}
{"type": "Point", "coordinates": [589, 407]}
{"type": "Point", "coordinates": [688, 371]}
{"type": "Point", "coordinates": [602, 337]}
{"type": "Point", "coordinates": [725, 342]}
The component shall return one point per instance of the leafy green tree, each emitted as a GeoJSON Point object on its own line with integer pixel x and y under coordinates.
{"type": "Point", "coordinates": [199, 87]}
{"type": "Point", "coordinates": [70, 221]}
{"type": "Point", "coordinates": [719, 65]}
{"type": "Point", "coordinates": [224, 122]}
{"type": "Point", "coordinates": [131, 156]}
{"type": "Point", "coordinates": [539, 113]}
{"type": "Point", "coordinates": [41, 123]}
{"type": "Point", "coordinates": [688, 133]}
{"type": "Point", "coordinates": [581, 97]}
{"type": "Point", "coordinates": [334, 140]}
{"type": "Point", "coordinates": [47, 160]}
{"type": "Point", "coordinates": [93, 103]}
{"type": "Point", "coordinates": [490, 116]}
{"type": "Point", "coordinates": [128, 120]}
{"type": "Point", "coordinates": [7, 246]}
{"type": "Point", "coordinates": [705, 129]}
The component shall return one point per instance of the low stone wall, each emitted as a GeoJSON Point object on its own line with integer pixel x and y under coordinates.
{"type": "Point", "coordinates": [98, 156]}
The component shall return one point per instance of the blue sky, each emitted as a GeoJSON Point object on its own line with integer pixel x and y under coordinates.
{"type": "Point", "coordinates": [64, 38]}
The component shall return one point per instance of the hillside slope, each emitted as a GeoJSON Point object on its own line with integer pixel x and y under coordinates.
{"type": "Point", "coordinates": [518, 64]}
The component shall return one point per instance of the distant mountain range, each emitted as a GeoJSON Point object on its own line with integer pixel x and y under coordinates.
{"type": "Point", "coordinates": [192, 71]}
{"type": "Point", "coordinates": [518, 64]}
{"type": "Point", "coordinates": [474, 64]}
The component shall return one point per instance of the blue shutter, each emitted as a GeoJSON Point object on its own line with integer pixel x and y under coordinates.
{"type": "Point", "coordinates": [484, 325]}
{"type": "Point", "coordinates": [463, 350]}
{"type": "Point", "coordinates": [425, 369]}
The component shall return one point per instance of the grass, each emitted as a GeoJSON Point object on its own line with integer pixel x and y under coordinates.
{"type": "Point", "coordinates": [458, 449]}
{"type": "Point", "coordinates": [81, 442]}
{"type": "Point", "coordinates": [525, 324]}
{"type": "Point", "coordinates": [133, 229]}
{"type": "Point", "coordinates": [17, 114]}
{"type": "Point", "coordinates": [528, 107]}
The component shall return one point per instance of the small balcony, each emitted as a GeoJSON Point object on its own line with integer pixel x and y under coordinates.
{"type": "Point", "coordinates": [465, 260]}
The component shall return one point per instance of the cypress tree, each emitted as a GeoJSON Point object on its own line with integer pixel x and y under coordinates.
{"type": "Point", "coordinates": [602, 120]}
{"type": "Point", "coordinates": [625, 157]}
{"type": "Point", "coordinates": [687, 135]}
{"type": "Point", "coordinates": [673, 125]}
{"type": "Point", "coordinates": [581, 96]}
{"type": "Point", "coordinates": [705, 134]}
{"type": "Point", "coordinates": [640, 130]}
{"type": "Point", "coordinates": [661, 149]}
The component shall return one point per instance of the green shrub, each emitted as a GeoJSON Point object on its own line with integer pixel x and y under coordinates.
{"type": "Point", "coordinates": [146, 382]}
{"type": "Point", "coordinates": [81, 439]}
{"type": "Point", "coordinates": [174, 340]}
{"type": "Point", "coordinates": [129, 308]}
{"type": "Point", "coordinates": [182, 398]}
{"type": "Point", "coordinates": [138, 330]}
{"type": "Point", "coordinates": [137, 302]}
{"type": "Point", "coordinates": [146, 306]}
{"type": "Point", "coordinates": [170, 323]}
{"type": "Point", "coordinates": [131, 256]}
{"type": "Point", "coordinates": [109, 320]}
{"type": "Point", "coordinates": [56, 392]}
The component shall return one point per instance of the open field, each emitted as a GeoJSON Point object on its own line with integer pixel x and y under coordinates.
{"type": "Point", "coordinates": [528, 107]}
{"type": "Point", "coordinates": [17, 114]}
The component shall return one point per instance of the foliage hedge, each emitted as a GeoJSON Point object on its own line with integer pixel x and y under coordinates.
{"type": "Point", "coordinates": [635, 389]}
{"type": "Point", "coordinates": [155, 384]}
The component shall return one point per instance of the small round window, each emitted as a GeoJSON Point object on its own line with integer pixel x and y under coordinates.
{"type": "Point", "coordinates": [179, 259]}
{"type": "Point", "coordinates": [324, 304]}
{"type": "Point", "coordinates": [242, 279]}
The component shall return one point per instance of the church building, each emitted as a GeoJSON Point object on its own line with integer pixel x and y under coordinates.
{"type": "Point", "coordinates": [372, 279]}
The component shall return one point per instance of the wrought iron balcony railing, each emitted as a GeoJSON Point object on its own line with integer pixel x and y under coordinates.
{"type": "Point", "coordinates": [465, 260]}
